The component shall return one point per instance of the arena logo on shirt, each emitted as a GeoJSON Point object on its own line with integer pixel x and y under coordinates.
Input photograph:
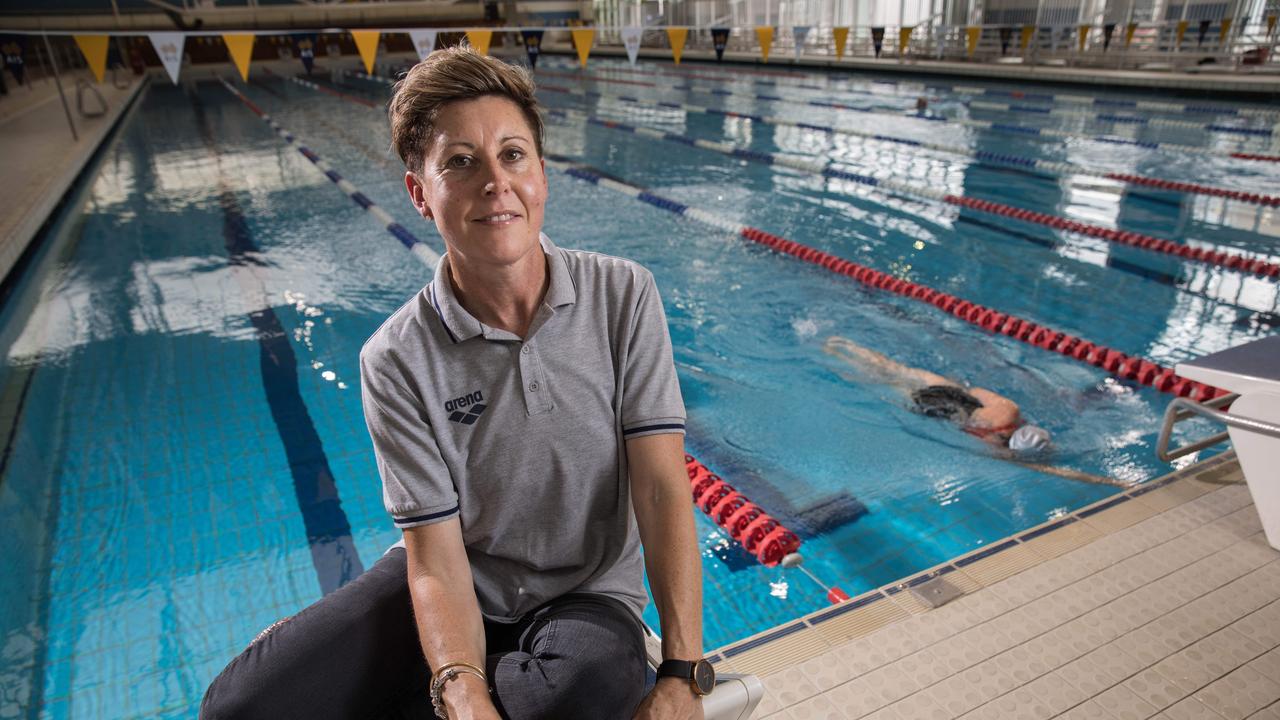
{"type": "Point", "coordinates": [466, 409]}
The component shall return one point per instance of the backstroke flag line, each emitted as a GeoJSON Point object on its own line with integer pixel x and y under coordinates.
{"type": "Point", "coordinates": [677, 36]}
{"type": "Point", "coordinates": [631, 40]}
{"type": "Point", "coordinates": [168, 46]}
{"type": "Point", "coordinates": [764, 35]}
{"type": "Point", "coordinates": [479, 39]}
{"type": "Point", "coordinates": [367, 44]}
{"type": "Point", "coordinates": [719, 41]}
{"type": "Point", "coordinates": [240, 47]}
{"type": "Point", "coordinates": [532, 40]}
{"type": "Point", "coordinates": [94, 48]}
{"type": "Point", "coordinates": [841, 35]}
{"type": "Point", "coordinates": [582, 40]}
{"type": "Point", "coordinates": [801, 33]}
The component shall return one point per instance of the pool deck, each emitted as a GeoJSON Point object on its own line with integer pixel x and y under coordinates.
{"type": "Point", "coordinates": [41, 160]}
{"type": "Point", "coordinates": [1159, 602]}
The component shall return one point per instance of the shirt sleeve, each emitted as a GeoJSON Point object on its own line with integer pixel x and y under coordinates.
{"type": "Point", "coordinates": [651, 401]}
{"type": "Point", "coordinates": [417, 488]}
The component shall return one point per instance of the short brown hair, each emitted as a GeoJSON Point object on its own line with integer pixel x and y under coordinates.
{"type": "Point", "coordinates": [456, 73]}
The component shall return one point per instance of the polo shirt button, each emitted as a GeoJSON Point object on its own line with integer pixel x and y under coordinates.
{"type": "Point", "coordinates": [533, 387]}
{"type": "Point", "coordinates": [525, 349]}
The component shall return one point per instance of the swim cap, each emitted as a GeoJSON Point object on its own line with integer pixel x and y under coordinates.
{"type": "Point", "coordinates": [1028, 437]}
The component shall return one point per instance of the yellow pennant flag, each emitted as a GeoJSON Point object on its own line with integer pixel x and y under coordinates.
{"type": "Point", "coordinates": [1226, 28]}
{"type": "Point", "coordinates": [677, 36]}
{"type": "Point", "coordinates": [1084, 36]}
{"type": "Point", "coordinates": [973, 34]}
{"type": "Point", "coordinates": [94, 48]}
{"type": "Point", "coordinates": [842, 37]}
{"type": "Point", "coordinates": [904, 37]}
{"type": "Point", "coordinates": [367, 44]}
{"type": "Point", "coordinates": [582, 40]}
{"type": "Point", "coordinates": [1271, 24]}
{"type": "Point", "coordinates": [241, 49]}
{"type": "Point", "coordinates": [1129, 30]}
{"type": "Point", "coordinates": [1027, 32]}
{"type": "Point", "coordinates": [765, 36]}
{"type": "Point", "coordinates": [1182, 30]}
{"type": "Point", "coordinates": [479, 39]}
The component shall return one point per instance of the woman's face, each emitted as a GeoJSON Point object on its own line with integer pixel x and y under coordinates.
{"type": "Point", "coordinates": [483, 183]}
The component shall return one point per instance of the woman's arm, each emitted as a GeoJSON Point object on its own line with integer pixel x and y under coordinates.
{"type": "Point", "coordinates": [881, 368]}
{"type": "Point", "coordinates": [664, 514]}
{"type": "Point", "coordinates": [450, 627]}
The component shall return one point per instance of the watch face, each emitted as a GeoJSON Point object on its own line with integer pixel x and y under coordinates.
{"type": "Point", "coordinates": [704, 677]}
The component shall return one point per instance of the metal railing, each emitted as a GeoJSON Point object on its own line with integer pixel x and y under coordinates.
{"type": "Point", "coordinates": [1184, 408]}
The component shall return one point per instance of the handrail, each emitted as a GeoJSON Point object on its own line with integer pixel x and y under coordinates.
{"type": "Point", "coordinates": [1183, 408]}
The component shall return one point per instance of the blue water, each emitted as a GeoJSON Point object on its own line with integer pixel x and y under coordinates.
{"type": "Point", "coordinates": [181, 364]}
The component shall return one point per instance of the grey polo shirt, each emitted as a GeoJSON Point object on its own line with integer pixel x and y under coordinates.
{"type": "Point", "coordinates": [524, 438]}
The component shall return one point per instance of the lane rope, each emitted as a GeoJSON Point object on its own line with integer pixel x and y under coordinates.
{"type": "Point", "coordinates": [1060, 168]}
{"type": "Point", "coordinates": [762, 536]}
{"type": "Point", "coordinates": [1139, 370]}
{"type": "Point", "coordinates": [420, 250]}
{"type": "Point", "coordinates": [1208, 256]}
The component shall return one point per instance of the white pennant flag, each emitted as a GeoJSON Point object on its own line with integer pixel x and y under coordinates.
{"type": "Point", "coordinates": [168, 46]}
{"type": "Point", "coordinates": [631, 38]}
{"type": "Point", "coordinates": [801, 32]}
{"type": "Point", "coordinates": [424, 41]}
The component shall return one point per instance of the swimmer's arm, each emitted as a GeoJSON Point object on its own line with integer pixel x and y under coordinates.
{"type": "Point", "coordinates": [1070, 474]}
{"type": "Point", "coordinates": [447, 613]}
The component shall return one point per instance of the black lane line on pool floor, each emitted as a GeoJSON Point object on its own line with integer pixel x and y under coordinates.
{"type": "Point", "coordinates": [328, 532]}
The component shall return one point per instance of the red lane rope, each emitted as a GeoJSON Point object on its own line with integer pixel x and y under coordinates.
{"type": "Point", "coordinates": [1252, 156]}
{"type": "Point", "coordinates": [1143, 372]}
{"type": "Point", "coordinates": [1258, 198]}
{"type": "Point", "coordinates": [1123, 237]}
{"type": "Point", "coordinates": [757, 531]}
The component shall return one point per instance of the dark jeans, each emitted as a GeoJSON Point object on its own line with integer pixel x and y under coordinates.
{"type": "Point", "coordinates": [355, 654]}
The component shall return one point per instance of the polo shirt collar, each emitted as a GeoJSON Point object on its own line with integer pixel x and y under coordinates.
{"type": "Point", "coordinates": [462, 325]}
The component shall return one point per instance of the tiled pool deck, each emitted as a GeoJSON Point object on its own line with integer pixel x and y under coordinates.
{"type": "Point", "coordinates": [1160, 602]}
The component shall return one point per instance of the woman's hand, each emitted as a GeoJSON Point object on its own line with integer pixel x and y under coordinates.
{"type": "Point", "coordinates": [469, 699]}
{"type": "Point", "coordinates": [671, 699]}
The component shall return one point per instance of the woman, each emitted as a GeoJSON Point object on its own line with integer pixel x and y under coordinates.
{"type": "Point", "coordinates": [520, 406]}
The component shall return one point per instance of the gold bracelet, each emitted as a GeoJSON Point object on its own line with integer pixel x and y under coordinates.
{"type": "Point", "coordinates": [447, 672]}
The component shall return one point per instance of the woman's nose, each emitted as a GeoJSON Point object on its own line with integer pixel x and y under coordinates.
{"type": "Point", "coordinates": [496, 180]}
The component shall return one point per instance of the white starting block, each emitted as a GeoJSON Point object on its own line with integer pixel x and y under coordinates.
{"type": "Point", "coordinates": [1252, 374]}
{"type": "Point", "coordinates": [735, 697]}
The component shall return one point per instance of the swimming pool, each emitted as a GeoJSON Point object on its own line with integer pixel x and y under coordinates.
{"type": "Point", "coordinates": [184, 393]}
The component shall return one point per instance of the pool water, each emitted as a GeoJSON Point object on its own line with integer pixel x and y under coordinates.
{"type": "Point", "coordinates": [182, 390]}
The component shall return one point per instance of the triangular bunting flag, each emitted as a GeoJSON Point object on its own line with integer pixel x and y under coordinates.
{"type": "Point", "coordinates": [479, 39]}
{"type": "Point", "coordinates": [1129, 30]}
{"type": "Point", "coordinates": [719, 41]}
{"type": "Point", "coordinates": [1084, 36]}
{"type": "Point", "coordinates": [1182, 30]}
{"type": "Point", "coordinates": [240, 47]}
{"type": "Point", "coordinates": [532, 45]}
{"type": "Point", "coordinates": [367, 44]}
{"type": "Point", "coordinates": [631, 41]}
{"type": "Point", "coordinates": [764, 35]}
{"type": "Point", "coordinates": [1271, 24]}
{"type": "Point", "coordinates": [971, 35]}
{"type": "Point", "coordinates": [904, 37]}
{"type": "Point", "coordinates": [1027, 32]}
{"type": "Point", "coordinates": [1204, 29]}
{"type": "Point", "coordinates": [1226, 28]}
{"type": "Point", "coordinates": [94, 48]}
{"type": "Point", "coordinates": [168, 46]}
{"type": "Point", "coordinates": [1107, 31]}
{"type": "Point", "coordinates": [13, 48]}
{"type": "Point", "coordinates": [677, 36]}
{"type": "Point", "coordinates": [801, 33]}
{"type": "Point", "coordinates": [582, 40]}
{"type": "Point", "coordinates": [424, 41]}
{"type": "Point", "coordinates": [1006, 35]}
{"type": "Point", "coordinates": [841, 35]}
{"type": "Point", "coordinates": [877, 39]}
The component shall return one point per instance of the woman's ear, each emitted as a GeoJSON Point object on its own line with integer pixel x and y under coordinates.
{"type": "Point", "coordinates": [417, 194]}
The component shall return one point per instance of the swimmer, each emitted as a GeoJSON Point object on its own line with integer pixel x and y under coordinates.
{"type": "Point", "coordinates": [986, 415]}
{"type": "Point", "coordinates": [922, 104]}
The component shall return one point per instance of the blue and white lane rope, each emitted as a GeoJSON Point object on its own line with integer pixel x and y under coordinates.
{"type": "Point", "coordinates": [1058, 168]}
{"type": "Point", "coordinates": [969, 122]}
{"type": "Point", "coordinates": [1207, 255]}
{"type": "Point", "coordinates": [1116, 119]}
{"type": "Point", "coordinates": [420, 250]}
{"type": "Point", "coordinates": [1064, 98]}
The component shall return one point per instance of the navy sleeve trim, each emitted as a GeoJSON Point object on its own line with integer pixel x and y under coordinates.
{"type": "Point", "coordinates": [424, 518]}
{"type": "Point", "coordinates": [651, 428]}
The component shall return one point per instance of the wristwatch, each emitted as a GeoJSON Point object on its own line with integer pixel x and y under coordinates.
{"type": "Point", "coordinates": [699, 673]}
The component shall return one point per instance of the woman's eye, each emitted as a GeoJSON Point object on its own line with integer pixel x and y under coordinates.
{"type": "Point", "coordinates": [459, 161]}
{"type": "Point", "coordinates": [515, 154]}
